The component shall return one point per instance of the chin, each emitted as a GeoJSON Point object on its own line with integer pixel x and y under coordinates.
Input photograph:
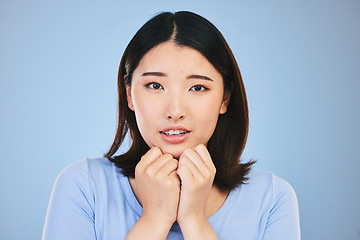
{"type": "Point", "coordinates": [176, 153]}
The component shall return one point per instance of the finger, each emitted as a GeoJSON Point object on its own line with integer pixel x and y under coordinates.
{"type": "Point", "coordinates": [205, 156]}
{"type": "Point", "coordinates": [185, 161]}
{"type": "Point", "coordinates": [169, 166]}
{"type": "Point", "coordinates": [151, 155]}
{"type": "Point", "coordinates": [184, 174]}
{"type": "Point", "coordinates": [175, 176]}
{"type": "Point", "coordinates": [155, 166]}
{"type": "Point", "coordinates": [196, 159]}
{"type": "Point", "coordinates": [148, 158]}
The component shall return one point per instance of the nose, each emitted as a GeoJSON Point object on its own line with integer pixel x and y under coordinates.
{"type": "Point", "coordinates": [176, 108]}
{"type": "Point", "coordinates": [175, 117]}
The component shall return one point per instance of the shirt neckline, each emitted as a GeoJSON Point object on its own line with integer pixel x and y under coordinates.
{"type": "Point", "coordinates": [130, 196]}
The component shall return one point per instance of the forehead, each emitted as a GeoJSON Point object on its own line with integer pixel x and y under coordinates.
{"type": "Point", "coordinates": [170, 57]}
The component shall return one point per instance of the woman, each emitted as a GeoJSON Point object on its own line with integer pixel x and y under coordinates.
{"type": "Point", "coordinates": [182, 99]}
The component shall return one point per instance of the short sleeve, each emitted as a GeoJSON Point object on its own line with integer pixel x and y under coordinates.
{"type": "Point", "coordinates": [70, 213]}
{"type": "Point", "coordinates": [283, 221]}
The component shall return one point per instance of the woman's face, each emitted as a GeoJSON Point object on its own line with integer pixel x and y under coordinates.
{"type": "Point", "coordinates": [177, 96]}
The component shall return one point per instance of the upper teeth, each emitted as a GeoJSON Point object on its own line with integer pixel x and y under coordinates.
{"type": "Point", "coordinates": [175, 132]}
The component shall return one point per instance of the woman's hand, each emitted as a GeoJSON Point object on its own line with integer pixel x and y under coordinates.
{"type": "Point", "coordinates": [158, 188]}
{"type": "Point", "coordinates": [196, 171]}
{"type": "Point", "coordinates": [158, 185]}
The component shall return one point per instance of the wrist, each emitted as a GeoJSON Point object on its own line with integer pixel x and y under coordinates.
{"type": "Point", "coordinates": [149, 228]}
{"type": "Point", "coordinates": [197, 228]}
{"type": "Point", "coordinates": [157, 224]}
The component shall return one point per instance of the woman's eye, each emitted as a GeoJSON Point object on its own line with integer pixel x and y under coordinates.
{"type": "Point", "coordinates": [154, 85]}
{"type": "Point", "coordinates": [198, 88]}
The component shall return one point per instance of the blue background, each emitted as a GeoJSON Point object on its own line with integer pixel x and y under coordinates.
{"type": "Point", "coordinates": [300, 64]}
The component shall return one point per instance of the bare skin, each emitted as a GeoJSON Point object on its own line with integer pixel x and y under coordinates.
{"type": "Point", "coordinates": [157, 188]}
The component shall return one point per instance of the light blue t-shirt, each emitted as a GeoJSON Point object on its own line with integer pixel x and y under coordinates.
{"type": "Point", "coordinates": [92, 200]}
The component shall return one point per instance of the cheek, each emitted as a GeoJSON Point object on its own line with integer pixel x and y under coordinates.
{"type": "Point", "coordinates": [146, 109]}
{"type": "Point", "coordinates": [210, 108]}
{"type": "Point", "coordinates": [207, 113]}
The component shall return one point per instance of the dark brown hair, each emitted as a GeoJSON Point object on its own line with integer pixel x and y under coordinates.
{"type": "Point", "coordinates": [228, 140]}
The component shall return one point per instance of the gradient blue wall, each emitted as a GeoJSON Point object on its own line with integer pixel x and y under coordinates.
{"type": "Point", "coordinates": [299, 60]}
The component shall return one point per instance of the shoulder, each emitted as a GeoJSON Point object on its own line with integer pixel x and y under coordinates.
{"type": "Point", "coordinates": [269, 182]}
{"type": "Point", "coordinates": [72, 201]}
{"type": "Point", "coordinates": [86, 168]}
{"type": "Point", "coordinates": [82, 181]}
{"type": "Point", "coordinates": [281, 209]}
{"type": "Point", "coordinates": [266, 191]}
{"type": "Point", "coordinates": [270, 203]}
{"type": "Point", "coordinates": [87, 163]}
{"type": "Point", "coordinates": [81, 176]}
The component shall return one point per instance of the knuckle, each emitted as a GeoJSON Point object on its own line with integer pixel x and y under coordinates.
{"type": "Point", "coordinates": [138, 168]}
{"type": "Point", "coordinates": [184, 159]}
{"type": "Point", "coordinates": [187, 151]}
{"type": "Point", "coordinates": [202, 181]}
{"type": "Point", "coordinates": [167, 156]}
{"type": "Point", "coordinates": [156, 150]}
{"type": "Point", "coordinates": [168, 182]}
{"type": "Point", "coordinates": [199, 147]}
{"type": "Point", "coordinates": [157, 178]}
{"type": "Point", "coordinates": [142, 158]}
{"type": "Point", "coordinates": [173, 165]}
{"type": "Point", "coordinates": [207, 175]}
{"type": "Point", "coordinates": [149, 171]}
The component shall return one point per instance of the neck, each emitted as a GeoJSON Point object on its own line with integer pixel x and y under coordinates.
{"type": "Point", "coordinates": [215, 200]}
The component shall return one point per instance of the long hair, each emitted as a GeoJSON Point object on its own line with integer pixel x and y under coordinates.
{"type": "Point", "coordinates": [228, 140]}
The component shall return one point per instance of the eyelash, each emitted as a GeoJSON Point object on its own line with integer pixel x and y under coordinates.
{"type": "Point", "coordinates": [201, 86]}
{"type": "Point", "coordinates": [159, 86]}
{"type": "Point", "coordinates": [151, 85]}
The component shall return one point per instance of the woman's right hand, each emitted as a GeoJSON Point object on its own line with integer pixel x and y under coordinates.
{"type": "Point", "coordinates": [158, 187]}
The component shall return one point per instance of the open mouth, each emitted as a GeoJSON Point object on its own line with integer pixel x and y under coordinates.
{"type": "Point", "coordinates": [175, 132]}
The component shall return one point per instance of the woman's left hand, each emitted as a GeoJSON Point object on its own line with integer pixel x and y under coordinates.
{"type": "Point", "coordinates": [196, 171]}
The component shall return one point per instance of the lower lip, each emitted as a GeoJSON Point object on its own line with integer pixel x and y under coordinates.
{"type": "Point", "coordinates": [175, 138]}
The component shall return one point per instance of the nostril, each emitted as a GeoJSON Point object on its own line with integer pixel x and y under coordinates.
{"type": "Point", "coordinates": [170, 117]}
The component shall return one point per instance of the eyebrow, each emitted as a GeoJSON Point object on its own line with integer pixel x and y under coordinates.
{"type": "Point", "coordinates": [161, 74]}
{"type": "Point", "coordinates": [196, 76]}
{"type": "Point", "coordinates": [157, 74]}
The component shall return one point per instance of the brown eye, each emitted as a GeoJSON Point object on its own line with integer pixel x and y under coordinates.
{"type": "Point", "coordinates": [154, 85]}
{"type": "Point", "coordinates": [198, 88]}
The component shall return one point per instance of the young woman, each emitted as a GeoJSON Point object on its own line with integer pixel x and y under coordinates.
{"type": "Point", "coordinates": [183, 102]}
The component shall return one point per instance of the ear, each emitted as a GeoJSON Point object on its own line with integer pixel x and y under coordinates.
{"type": "Point", "coordinates": [225, 102]}
{"type": "Point", "coordinates": [129, 98]}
